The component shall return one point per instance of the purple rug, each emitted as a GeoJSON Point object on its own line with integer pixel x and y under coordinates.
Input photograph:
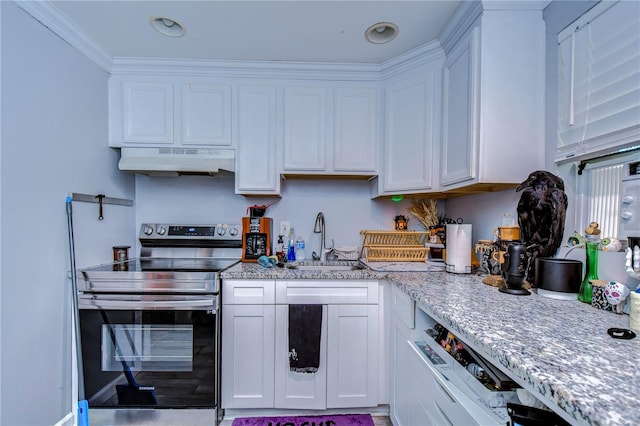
{"type": "Point", "coordinates": [335, 420]}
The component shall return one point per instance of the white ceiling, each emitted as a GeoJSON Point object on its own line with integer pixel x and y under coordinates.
{"type": "Point", "coordinates": [307, 31]}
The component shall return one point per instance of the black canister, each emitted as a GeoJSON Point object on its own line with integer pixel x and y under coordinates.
{"type": "Point", "coordinates": [562, 275]}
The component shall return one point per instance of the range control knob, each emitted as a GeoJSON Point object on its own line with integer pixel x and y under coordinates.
{"type": "Point", "coordinates": [222, 230]}
{"type": "Point", "coordinates": [161, 230]}
{"type": "Point", "coordinates": [628, 199]}
{"type": "Point", "coordinates": [233, 231]}
{"type": "Point", "coordinates": [148, 230]}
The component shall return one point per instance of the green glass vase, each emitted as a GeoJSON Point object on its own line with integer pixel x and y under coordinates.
{"type": "Point", "coordinates": [591, 273]}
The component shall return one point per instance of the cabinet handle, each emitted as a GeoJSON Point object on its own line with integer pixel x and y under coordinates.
{"type": "Point", "coordinates": [442, 414]}
{"type": "Point", "coordinates": [446, 393]}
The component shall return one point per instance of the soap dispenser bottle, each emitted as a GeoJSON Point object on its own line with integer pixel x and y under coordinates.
{"type": "Point", "coordinates": [291, 251]}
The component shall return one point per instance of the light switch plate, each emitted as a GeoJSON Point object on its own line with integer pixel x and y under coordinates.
{"type": "Point", "coordinates": [285, 228]}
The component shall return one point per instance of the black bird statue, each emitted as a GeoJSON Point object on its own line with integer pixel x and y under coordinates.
{"type": "Point", "coordinates": [541, 214]}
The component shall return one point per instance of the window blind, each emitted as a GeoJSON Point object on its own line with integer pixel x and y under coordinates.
{"type": "Point", "coordinates": [604, 198]}
{"type": "Point", "coordinates": [599, 73]}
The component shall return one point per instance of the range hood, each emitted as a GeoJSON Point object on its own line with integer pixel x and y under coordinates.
{"type": "Point", "coordinates": [168, 161]}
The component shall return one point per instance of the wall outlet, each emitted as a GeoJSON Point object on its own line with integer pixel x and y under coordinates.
{"type": "Point", "coordinates": [285, 228]}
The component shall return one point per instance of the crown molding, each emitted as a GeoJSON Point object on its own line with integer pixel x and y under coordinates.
{"type": "Point", "coordinates": [462, 19]}
{"type": "Point", "coordinates": [245, 69]}
{"type": "Point", "coordinates": [468, 11]}
{"type": "Point", "coordinates": [60, 25]}
{"type": "Point", "coordinates": [514, 4]}
{"type": "Point", "coordinates": [421, 55]}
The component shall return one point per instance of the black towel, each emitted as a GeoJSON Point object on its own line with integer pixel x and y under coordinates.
{"type": "Point", "coordinates": [305, 327]}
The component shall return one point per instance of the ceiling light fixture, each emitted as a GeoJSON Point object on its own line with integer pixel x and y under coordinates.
{"type": "Point", "coordinates": [382, 32]}
{"type": "Point", "coordinates": [167, 26]}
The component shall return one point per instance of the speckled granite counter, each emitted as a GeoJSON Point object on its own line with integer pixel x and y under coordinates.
{"type": "Point", "coordinates": [559, 349]}
{"type": "Point", "coordinates": [253, 271]}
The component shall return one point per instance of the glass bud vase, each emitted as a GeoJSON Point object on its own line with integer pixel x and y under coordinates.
{"type": "Point", "coordinates": [591, 273]}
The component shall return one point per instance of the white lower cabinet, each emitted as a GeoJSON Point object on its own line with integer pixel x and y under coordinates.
{"type": "Point", "coordinates": [430, 389]}
{"type": "Point", "coordinates": [248, 342]}
{"type": "Point", "coordinates": [298, 390]}
{"type": "Point", "coordinates": [247, 356]}
{"type": "Point", "coordinates": [255, 345]}
{"type": "Point", "coordinates": [402, 322]}
{"type": "Point", "coordinates": [352, 356]}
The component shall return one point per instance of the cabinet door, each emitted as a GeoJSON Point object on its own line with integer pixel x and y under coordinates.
{"type": "Point", "coordinates": [147, 111]}
{"type": "Point", "coordinates": [355, 140]}
{"type": "Point", "coordinates": [248, 335]}
{"type": "Point", "coordinates": [400, 372]}
{"type": "Point", "coordinates": [256, 171]}
{"type": "Point", "coordinates": [205, 115]}
{"type": "Point", "coordinates": [402, 321]}
{"type": "Point", "coordinates": [352, 357]}
{"type": "Point", "coordinates": [298, 390]}
{"type": "Point", "coordinates": [305, 127]}
{"type": "Point", "coordinates": [459, 138]}
{"type": "Point", "coordinates": [410, 131]}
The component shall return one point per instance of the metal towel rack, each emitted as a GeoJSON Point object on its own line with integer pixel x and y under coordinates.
{"type": "Point", "coordinates": [100, 199]}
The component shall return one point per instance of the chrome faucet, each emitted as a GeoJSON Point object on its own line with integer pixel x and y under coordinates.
{"type": "Point", "coordinates": [319, 228]}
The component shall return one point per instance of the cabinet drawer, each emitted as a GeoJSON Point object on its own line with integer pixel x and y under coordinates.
{"type": "Point", "coordinates": [248, 292]}
{"type": "Point", "coordinates": [322, 292]}
{"type": "Point", "coordinates": [403, 307]}
{"type": "Point", "coordinates": [434, 402]}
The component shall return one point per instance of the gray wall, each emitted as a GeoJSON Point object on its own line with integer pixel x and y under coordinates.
{"type": "Point", "coordinates": [54, 142]}
{"type": "Point", "coordinates": [347, 206]}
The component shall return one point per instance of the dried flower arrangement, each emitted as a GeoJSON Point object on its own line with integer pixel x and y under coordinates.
{"type": "Point", "coordinates": [425, 211]}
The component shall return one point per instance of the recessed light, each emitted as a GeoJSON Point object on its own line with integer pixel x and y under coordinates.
{"type": "Point", "coordinates": [382, 32]}
{"type": "Point", "coordinates": [167, 26]}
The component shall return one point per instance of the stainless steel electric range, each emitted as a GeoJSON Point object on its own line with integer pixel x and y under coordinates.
{"type": "Point", "coordinates": [150, 327]}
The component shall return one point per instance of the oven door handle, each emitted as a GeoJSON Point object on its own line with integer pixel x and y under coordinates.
{"type": "Point", "coordinates": [137, 304]}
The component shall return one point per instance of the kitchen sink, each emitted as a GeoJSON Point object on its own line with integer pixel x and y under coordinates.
{"type": "Point", "coordinates": [326, 267]}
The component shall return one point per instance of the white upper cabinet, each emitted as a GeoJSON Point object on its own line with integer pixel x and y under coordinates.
{"type": "Point", "coordinates": [460, 99]}
{"type": "Point", "coordinates": [256, 168]}
{"type": "Point", "coordinates": [205, 114]}
{"type": "Point", "coordinates": [412, 117]}
{"type": "Point", "coordinates": [305, 129]}
{"type": "Point", "coordinates": [356, 129]}
{"type": "Point", "coordinates": [144, 113]}
{"type": "Point", "coordinates": [493, 100]}
{"type": "Point", "coordinates": [330, 129]}
{"type": "Point", "coordinates": [599, 81]}
{"type": "Point", "coordinates": [150, 111]}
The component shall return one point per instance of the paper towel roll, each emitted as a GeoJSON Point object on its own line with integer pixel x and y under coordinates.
{"type": "Point", "coordinates": [458, 247]}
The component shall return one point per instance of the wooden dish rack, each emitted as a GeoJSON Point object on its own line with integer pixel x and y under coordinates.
{"type": "Point", "coordinates": [398, 246]}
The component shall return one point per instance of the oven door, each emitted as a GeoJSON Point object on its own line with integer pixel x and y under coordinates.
{"type": "Point", "coordinates": [150, 351]}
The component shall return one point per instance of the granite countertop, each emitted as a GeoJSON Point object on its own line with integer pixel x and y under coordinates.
{"type": "Point", "coordinates": [557, 348]}
{"type": "Point", "coordinates": [255, 271]}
